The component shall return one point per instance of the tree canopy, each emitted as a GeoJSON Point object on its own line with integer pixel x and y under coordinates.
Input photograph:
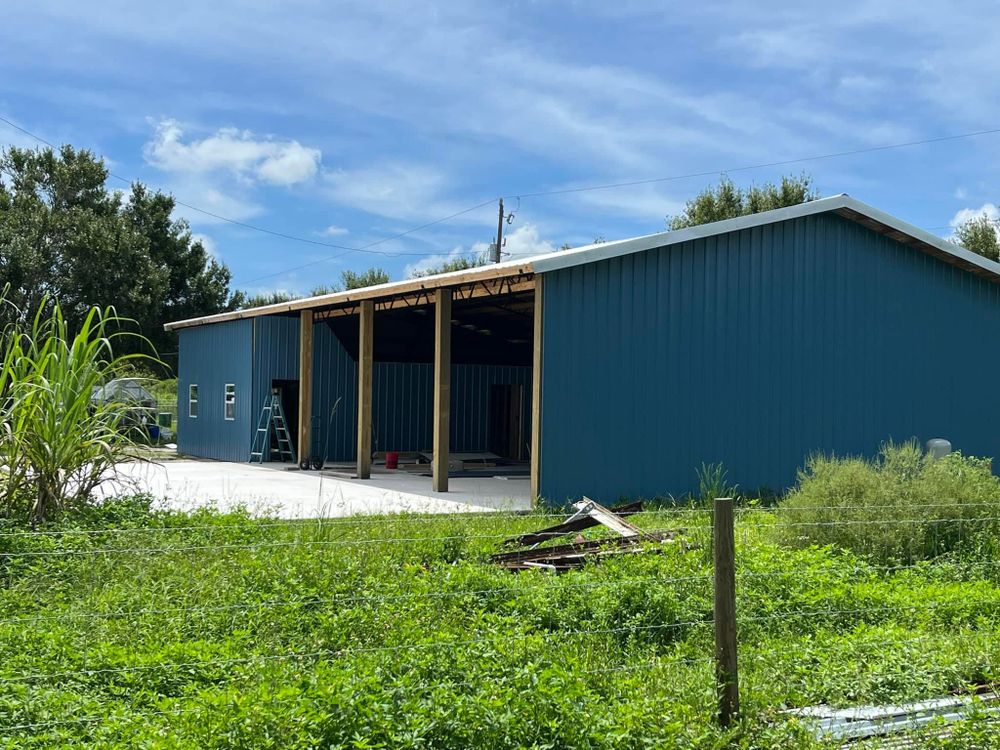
{"type": "Point", "coordinates": [371, 277]}
{"type": "Point", "coordinates": [728, 201]}
{"type": "Point", "coordinates": [348, 280]}
{"type": "Point", "coordinates": [979, 235]}
{"type": "Point", "coordinates": [64, 236]}
{"type": "Point", "coordinates": [460, 263]}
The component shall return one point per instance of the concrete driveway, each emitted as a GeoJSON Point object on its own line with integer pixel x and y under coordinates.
{"type": "Point", "coordinates": [186, 484]}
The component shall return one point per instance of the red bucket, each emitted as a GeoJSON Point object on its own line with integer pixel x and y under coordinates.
{"type": "Point", "coordinates": [391, 460]}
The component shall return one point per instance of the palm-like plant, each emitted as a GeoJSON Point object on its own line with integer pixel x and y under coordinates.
{"type": "Point", "coordinates": [57, 443]}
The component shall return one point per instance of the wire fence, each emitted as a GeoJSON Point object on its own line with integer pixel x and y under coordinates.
{"type": "Point", "coordinates": [340, 628]}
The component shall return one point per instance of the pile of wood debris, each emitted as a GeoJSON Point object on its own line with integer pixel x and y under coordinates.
{"type": "Point", "coordinates": [629, 540]}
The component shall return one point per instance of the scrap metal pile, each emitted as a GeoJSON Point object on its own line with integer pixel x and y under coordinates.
{"type": "Point", "coordinates": [629, 540]}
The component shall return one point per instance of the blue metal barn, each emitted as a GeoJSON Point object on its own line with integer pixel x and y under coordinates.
{"type": "Point", "coordinates": [615, 370]}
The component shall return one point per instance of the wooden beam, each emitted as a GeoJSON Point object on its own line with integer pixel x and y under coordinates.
{"type": "Point", "coordinates": [305, 385]}
{"type": "Point", "coordinates": [365, 357]}
{"type": "Point", "coordinates": [379, 292]}
{"type": "Point", "coordinates": [536, 394]}
{"type": "Point", "coordinates": [427, 296]}
{"type": "Point", "coordinates": [442, 388]}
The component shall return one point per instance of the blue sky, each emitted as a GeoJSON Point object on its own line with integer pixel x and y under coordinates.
{"type": "Point", "coordinates": [347, 123]}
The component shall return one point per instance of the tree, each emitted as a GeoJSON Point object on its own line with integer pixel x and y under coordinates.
{"type": "Point", "coordinates": [66, 238]}
{"type": "Point", "coordinates": [461, 263]}
{"type": "Point", "coordinates": [348, 280]}
{"type": "Point", "coordinates": [371, 277]}
{"type": "Point", "coordinates": [727, 201]}
{"type": "Point", "coordinates": [246, 301]}
{"type": "Point", "coordinates": [979, 235]}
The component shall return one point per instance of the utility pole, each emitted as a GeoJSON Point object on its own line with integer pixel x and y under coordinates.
{"type": "Point", "coordinates": [499, 242]}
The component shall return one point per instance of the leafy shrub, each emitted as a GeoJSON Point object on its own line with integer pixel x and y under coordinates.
{"type": "Point", "coordinates": [901, 507]}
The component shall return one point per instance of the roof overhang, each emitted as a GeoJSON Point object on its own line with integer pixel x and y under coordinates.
{"type": "Point", "coordinates": [844, 205]}
{"type": "Point", "coordinates": [498, 279]}
{"type": "Point", "coordinates": [518, 275]}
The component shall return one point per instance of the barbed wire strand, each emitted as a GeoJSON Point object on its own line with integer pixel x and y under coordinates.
{"type": "Point", "coordinates": [250, 524]}
{"type": "Point", "coordinates": [616, 582]}
{"type": "Point", "coordinates": [744, 527]}
{"type": "Point", "coordinates": [269, 545]}
{"type": "Point", "coordinates": [865, 570]}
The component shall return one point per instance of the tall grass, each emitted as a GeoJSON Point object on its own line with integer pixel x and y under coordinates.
{"type": "Point", "coordinates": [902, 506]}
{"type": "Point", "coordinates": [713, 482]}
{"type": "Point", "coordinates": [124, 628]}
{"type": "Point", "coordinates": [57, 443]}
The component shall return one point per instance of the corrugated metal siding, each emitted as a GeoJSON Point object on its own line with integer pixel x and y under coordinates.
{"type": "Point", "coordinates": [335, 375]}
{"type": "Point", "coordinates": [470, 402]}
{"type": "Point", "coordinates": [402, 406]}
{"type": "Point", "coordinates": [275, 357]}
{"type": "Point", "coordinates": [402, 398]}
{"type": "Point", "coordinates": [757, 348]}
{"type": "Point", "coordinates": [211, 356]}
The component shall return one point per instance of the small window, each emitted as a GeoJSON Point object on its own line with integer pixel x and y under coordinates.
{"type": "Point", "coordinates": [192, 401]}
{"type": "Point", "coordinates": [229, 410]}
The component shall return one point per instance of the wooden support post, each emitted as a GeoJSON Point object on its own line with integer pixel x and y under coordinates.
{"type": "Point", "coordinates": [726, 673]}
{"type": "Point", "coordinates": [442, 388]}
{"type": "Point", "coordinates": [536, 395]}
{"type": "Point", "coordinates": [366, 344]}
{"type": "Point", "coordinates": [305, 386]}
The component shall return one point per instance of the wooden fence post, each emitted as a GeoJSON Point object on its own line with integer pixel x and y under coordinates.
{"type": "Point", "coordinates": [726, 674]}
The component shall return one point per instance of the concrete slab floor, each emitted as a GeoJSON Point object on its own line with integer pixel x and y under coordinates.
{"type": "Point", "coordinates": [273, 489]}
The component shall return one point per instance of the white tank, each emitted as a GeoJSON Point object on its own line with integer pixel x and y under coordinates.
{"type": "Point", "coordinates": [937, 447]}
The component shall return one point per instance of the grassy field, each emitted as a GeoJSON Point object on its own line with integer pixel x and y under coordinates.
{"type": "Point", "coordinates": [125, 629]}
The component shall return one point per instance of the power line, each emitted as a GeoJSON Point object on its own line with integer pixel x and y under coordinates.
{"type": "Point", "coordinates": [535, 194]}
{"type": "Point", "coordinates": [690, 175]}
{"type": "Point", "coordinates": [764, 165]}
{"type": "Point", "coordinates": [364, 248]}
{"type": "Point", "coordinates": [283, 235]}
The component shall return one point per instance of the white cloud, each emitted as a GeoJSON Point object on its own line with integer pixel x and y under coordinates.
{"type": "Point", "coordinates": [433, 261]}
{"type": "Point", "coordinates": [743, 88]}
{"type": "Point", "coordinates": [988, 210]}
{"type": "Point", "coordinates": [334, 231]}
{"type": "Point", "coordinates": [395, 190]}
{"type": "Point", "coordinates": [859, 84]}
{"type": "Point", "coordinates": [648, 203]}
{"type": "Point", "coordinates": [785, 47]}
{"type": "Point", "coordinates": [234, 151]}
{"type": "Point", "coordinates": [522, 242]}
{"type": "Point", "coordinates": [961, 193]}
{"type": "Point", "coordinates": [196, 191]}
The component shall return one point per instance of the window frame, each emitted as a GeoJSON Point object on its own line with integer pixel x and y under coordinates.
{"type": "Point", "coordinates": [229, 398]}
{"type": "Point", "coordinates": [192, 400]}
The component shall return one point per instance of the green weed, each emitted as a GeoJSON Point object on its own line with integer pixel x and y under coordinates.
{"type": "Point", "coordinates": [149, 628]}
{"type": "Point", "coordinates": [899, 508]}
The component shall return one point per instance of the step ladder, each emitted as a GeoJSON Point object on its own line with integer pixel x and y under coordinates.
{"type": "Point", "coordinates": [272, 416]}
